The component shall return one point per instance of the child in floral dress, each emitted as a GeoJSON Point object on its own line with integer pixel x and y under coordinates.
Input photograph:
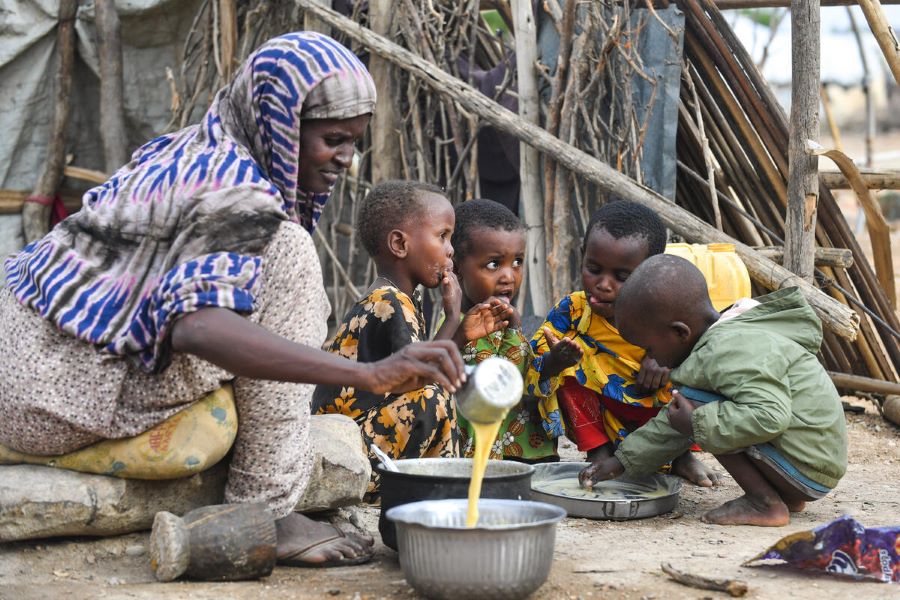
{"type": "Point", "coordinates": [489, 259]}
{"type": "Point", "coordinates": [406, 228]}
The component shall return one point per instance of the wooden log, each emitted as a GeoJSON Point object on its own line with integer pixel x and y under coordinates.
{"type": "Point", "coordinates": [36, 211]}
{"type": "Point", "coordinates": [882, 31]}
{"type": "Point", "coordinates": [839, 318]}
{"type": "Point", "coordinates": [739, 4]}
{"type": "Point", "coordinates": [386, 119]}
{"type": "Point", "coordinates": [828, 257]}
{"type": "Point", "coordinates": [803, 176]}
{"type": "Point", "coordinates": [873, 179]}
{"type": "Point", "coordinates": [112, 102]}
{"type": "Point", "coordinates": [228, 36]}
{"type": "Point", "coordinates": [530, 195]}
{"type": "Point", "coordinates": [863, 384]}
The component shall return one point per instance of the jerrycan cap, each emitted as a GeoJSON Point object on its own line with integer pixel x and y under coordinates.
{"type": "Point", "coordinates": [492, 388]}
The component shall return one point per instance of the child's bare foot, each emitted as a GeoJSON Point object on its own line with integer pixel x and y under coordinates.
{"type": "Point", "coordinates": [763, 512]}
{"type": "Point", "coordinates": [697, 472]}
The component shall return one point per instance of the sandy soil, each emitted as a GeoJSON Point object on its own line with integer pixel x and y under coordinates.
{"type": "Point", "coordinates": [594, 559]}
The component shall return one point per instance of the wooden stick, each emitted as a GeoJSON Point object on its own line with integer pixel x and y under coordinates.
{"type": "Point", "coordinates": [738, 4]}
{"type": "Point", "coordinates": [733, 587]}
{"type": "Point", "coordinates": [882, 31]}
{"type": "Point", "coordinates": [879, 232]}
{"type": "Point", "coordinates": [829, 116]}
{"type": "Point", "coordinates": [803, 175]}
{"type": "Point", "coordinates": [872, 178]}
{"type": "Point", "coordinates": [228, 29]}
{"type": "Point", "coordinates": [36, 215]}
{"type": "Point", "coordinates": [85, 174]}
{"type": "Point", "coordinates": [530, 195]}
{"type": "Point", "coordinates": [386, 118]}
{"type": "Point", "coordinates": [829, 257]}
{"type": "Point", "coordinates": [863, 384]}
{"type": "Point", "coordinates": [112, 104]}
{"type": "Point", "coordinates": [834, 315]}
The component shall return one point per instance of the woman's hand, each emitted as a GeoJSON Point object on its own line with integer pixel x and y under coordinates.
{"type": "Point", "coordinates": [563, 353]}
{"type": "Point", "coordinates": [679, 412]}
{"type": "Point", "coordinates": [416, 366]}
{"type": "Point", "coordinates": [651, 377]}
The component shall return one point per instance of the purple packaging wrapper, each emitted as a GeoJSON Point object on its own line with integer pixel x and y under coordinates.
{"type": "Point", "coordinates": [842, 547]}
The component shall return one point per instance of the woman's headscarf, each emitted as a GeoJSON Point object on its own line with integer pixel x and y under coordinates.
{"type": "Point", "coordinates": [184, 224]}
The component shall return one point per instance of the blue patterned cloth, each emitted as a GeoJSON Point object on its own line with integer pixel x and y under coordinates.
{"type": "Point", "coordinates": [185, 223]}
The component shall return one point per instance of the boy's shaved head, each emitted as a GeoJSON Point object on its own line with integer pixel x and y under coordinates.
{"type": "Point", "coordinates": [390, 204]}
{"type": "Point", "coordinates": [668, 286]}
{"type": "Point", "coordinates": [664, 307]}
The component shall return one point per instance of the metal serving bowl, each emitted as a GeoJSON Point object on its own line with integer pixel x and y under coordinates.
{"type": "Point", "coordinates": [506, 556]}
{"type": "Point", "coordinates": [443, 478]}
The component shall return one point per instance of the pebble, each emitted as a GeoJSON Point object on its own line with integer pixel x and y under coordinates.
{"type": "Point", "coordinates": [114, 581]}
{"type": "Point", "coordinates": [136, 550]}
{"type": "Point", "coordinates": [90, 559]}
{"type": "Point", "coordinates": [333, 592]}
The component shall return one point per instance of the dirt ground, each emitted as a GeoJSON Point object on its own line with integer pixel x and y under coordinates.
{"type": "Point", "coordinates": [593, 559]}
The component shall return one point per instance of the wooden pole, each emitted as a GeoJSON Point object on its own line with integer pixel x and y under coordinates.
{"type": "Point", "coordinates": [880, 27]}
{"type": "Point", "coordinates": [229, 36]}
{"type": "Point", "coordinates": [311, 23]}
{"type": "Point", "coordinates": [385, 120]}
{"type": "Point", "coordinates": [825, 257]}
{"type": "Point", "coordinates": [836, 316]}
{"type": "Point", "coordinates": [36, 211]}
{"type": "Point", "coordinates": [803, 180]}
{"type": "Point", "coordinates": [863, 384]}
{"type": "Point", "coordinates": [871, 178]}
{"type": "Point", "coordinates": [738, 4]}
{"type": "Point", "coordinates": [112, 103]}
{"type": "Point", "coordinates": [530, 195]}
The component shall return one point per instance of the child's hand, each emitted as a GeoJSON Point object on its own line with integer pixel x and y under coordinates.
{"type": "Point", "coordinates": [680, 411]}
{"type": "Point", "coordinates": [515, 319]}
{"type": "Point", "coordinates": [608, 468]}
{"type": "Point", "coordinates": [651, 377]}
{"type": "Point", "coordinates": [484, 319]}
{"type": "Point", "coordinates": [563, 354]}
{"type": "Point", "coordinates": [451, 294]}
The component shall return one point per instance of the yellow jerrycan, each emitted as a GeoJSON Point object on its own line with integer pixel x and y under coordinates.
{"type": "Point", "coordinates": [725, 273]}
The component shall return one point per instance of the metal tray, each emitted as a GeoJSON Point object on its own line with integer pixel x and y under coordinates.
{"type": "Point", "coordinates": [629, 506]}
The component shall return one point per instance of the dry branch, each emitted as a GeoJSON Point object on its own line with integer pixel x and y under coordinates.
{"type": "Point", "coordinates": [828, 257]}
{"type": "Point", "coordinates": [733, 587]}
{"type": "Point", "coordinates": [872, 178]}
{"type": "Point", "coordinates": [834, 315]}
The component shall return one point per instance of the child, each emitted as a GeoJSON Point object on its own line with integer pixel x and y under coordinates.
{"type": "Point", "coordinates": [405, 226]}
{"type": "Point", "coordinates": [489, 259]}
{"type": "Point", "coordinates": [604, 386]}
{"type": "Point", "coordinates": [750, 391]}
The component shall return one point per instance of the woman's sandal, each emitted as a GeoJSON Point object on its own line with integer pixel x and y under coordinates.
{"type": "Point", "coordinates": [296, 558]}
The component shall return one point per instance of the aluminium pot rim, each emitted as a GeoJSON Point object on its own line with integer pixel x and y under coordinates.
{"type": "Point", "coordinates": [396, 515]}
{"type": "Point", "coordinates": [525, 470]}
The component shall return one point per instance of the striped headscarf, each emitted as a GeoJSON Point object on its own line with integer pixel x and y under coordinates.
{"type": "Point", "coordinates": [184, 224]}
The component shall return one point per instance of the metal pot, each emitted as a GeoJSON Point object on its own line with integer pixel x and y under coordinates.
{"type": "Point", "coordinates": [441, 478]}
{"type": "Point", "coordinates": [507, 556]}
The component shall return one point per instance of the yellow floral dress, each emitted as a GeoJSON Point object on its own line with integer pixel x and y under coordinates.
{"type": "Point", "coordinates": [416, 424]}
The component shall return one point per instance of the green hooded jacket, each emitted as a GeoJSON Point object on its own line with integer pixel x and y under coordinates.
{"type": "Point", "coordinates": [764, 362]}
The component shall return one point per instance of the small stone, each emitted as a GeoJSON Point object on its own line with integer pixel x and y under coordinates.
{"type": "Point", "coordinates": [90, 559]}
{"type": "Point", "coordinates": [135, 550]}
{"type": "Point", "coordinates": [60, 573]}
{"type": "Point", "coordinates": [114, 581]}
{"type": "Point", "coordinates": [333, 592]}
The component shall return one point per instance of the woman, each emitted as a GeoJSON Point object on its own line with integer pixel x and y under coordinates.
{"type": "Point", "coordinates": [192, 266]}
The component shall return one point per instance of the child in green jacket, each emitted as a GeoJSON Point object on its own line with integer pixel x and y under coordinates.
{"type": "Point", "coordinates": [750, 391]}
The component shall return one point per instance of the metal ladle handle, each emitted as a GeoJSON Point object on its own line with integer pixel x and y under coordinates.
{"type": "Point", "coordinates": [386, 460]}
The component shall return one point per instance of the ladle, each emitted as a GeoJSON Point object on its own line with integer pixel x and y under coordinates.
{"type": "Point", "coordinates": [386, 460]}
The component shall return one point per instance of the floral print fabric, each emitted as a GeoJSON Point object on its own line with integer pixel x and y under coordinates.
{"type": "Point", "coordinates": [521, 435]}
{"type": "Point", "coordinates": [609, 366]}
{"type": "Point", "coordinates": [416, 424]}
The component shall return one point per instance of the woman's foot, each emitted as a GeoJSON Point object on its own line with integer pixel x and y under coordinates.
{"type": "Point", "coordinates": [688, 467]}
{"type": "Point", "coordinates": [763, 512]}
{"type": "Point", "coordinates": [308, 543]}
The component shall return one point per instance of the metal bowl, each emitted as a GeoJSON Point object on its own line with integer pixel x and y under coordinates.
{"type": "Point", "coordinates": [443, 478]}
{"type": "Point", "coordinates": [638, 506]}
{"type": "Point", "coordinates": [507, 555]}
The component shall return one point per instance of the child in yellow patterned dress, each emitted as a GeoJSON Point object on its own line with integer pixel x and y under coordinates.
{"type": "Point", "coordinates": [489, 259]}
{"type": "Point", "coordinates": [596, 387]}
{"type": "Point", "coordinates": [406, 228]}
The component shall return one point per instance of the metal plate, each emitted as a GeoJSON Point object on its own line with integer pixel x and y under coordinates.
{"type": "Point", "coordinates": [618, 500]}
